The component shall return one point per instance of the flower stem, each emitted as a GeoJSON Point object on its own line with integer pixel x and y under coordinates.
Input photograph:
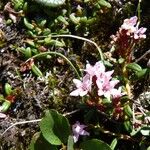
{"type": "Point", "coordinates": [59, 54]}
{"type": "Point", "coordinates": [79, 38]}
{"type": "Point", "coordinates": [127, 82]}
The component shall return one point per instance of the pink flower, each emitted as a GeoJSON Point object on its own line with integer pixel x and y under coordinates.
{"type": "Point", "coordinates": [131, 27]}
{"type": "Point", "coordinates": [83, 87]}
{"type": "Point", "coordinates": [98, 77]}
{"type": "Point", "coordinates": [116, 93]}
{"type": "Point", "coordinates": [139, 34]}
{"type": "Point", "coordinates": [97, 69]}
{"type": "Point", "coordinates": [78, 129]}
{"type": "Point", "coordinates": [106, 87]}
{"type": "Point", "coordinates": [129, 24]}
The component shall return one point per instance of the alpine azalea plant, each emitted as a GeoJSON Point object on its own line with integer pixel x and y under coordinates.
{"type": "Point", "coordinates": [124, 41]}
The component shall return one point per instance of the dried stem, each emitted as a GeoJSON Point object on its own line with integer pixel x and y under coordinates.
{"type": "Point", "coordinates": [79, 38]}
{"type": "Point", "coordinates": [34, 121]}
{"type": "Point", "coordinates": [143, 56]}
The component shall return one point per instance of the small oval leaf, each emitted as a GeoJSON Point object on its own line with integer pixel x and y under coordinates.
{"type": "Point", "coordinates": [8, 89]}
{"type": "Point", "coordinates": [28, 25]}
{"type": "Point", "coordinates": [104, 3]}
{"type": "Point", "coordinates": [128, 110]}
{"type": "Point", "coordinates": [36, 70]}
{"type": "Point", "coordinates": [134, 67]}
{"type": "Point", "coordinates": [5, 106]}
{"type": "Point", "coordinates": [141, 73]}
{"type": "Point", "coordinates": [128, 126]}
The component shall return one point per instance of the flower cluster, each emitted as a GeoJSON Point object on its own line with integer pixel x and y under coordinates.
{"type": "Point", "coordinates": [130, 28]}
{"type": "Point", "coordinates": [129, 33]}
{"type": "Point", "coordinates": [97, 78]}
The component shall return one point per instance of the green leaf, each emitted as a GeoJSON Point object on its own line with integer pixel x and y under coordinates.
{"type": "Point", "coordinates": [51, 3]}
{"type": "Point", "coordinates": [5, 106]}
{"type": "Point", "coordinates": [28, 52]}
{"type": "Point", "coordinates": [141, 73]}
{"type": "Point", "coordinates": [55, 128]}
{"type": "Point", "coordinates": [89, 115]}
{"type": "Point", "coordinates": [104, 3]}
{"type": "Point", "coordinates": [62, 19]}
{"type": "Point", "coordinates": [36, 70]}
{"type": "Point", "coordinates": [128, 110]}
{"type": "Point", "coordinates": [145, 131]}
{"type": "Point", "coordinates": [94, 144]}
{"type": "Point", "coordinates": [70, 143]}
{"type": "Point", "coordinates": [121, 60]}
{"type": "Point", "coordinates": [8, 89]}
{"type": "Point", "coordinates": [148, 148]}
{"type": "Point", "coordinates": [107, 63]}
{"type": "Point", "coordinates": [113, 143]}
{"type": "Point", "coordinates": [39, 143]}
{"type": "Point", "coordinates": [134, 66]}
{"type": "Point", "coordinates": [74, 19]}
{"type": "Point", "coordinates": [56, 43]}
{"type": "Point", "coordinates": [135, 132]}
{"type": "Point", "coordinates": [128, 125]}
{"type": "Point", "coordinates": [28, 25]}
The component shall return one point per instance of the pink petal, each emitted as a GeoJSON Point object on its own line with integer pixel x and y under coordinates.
{"type": "Point", "coordinates": [113, 83]}
{"type": "Point", "coordinates": [107, 95]}
{"type": "Point", "coordinates": [75, 93]}
{"type": "Point", "coordinates": [83, 93]}
{"type": "Point", "coordinates": [116, 93]}
{"type": "Point", "coordinates": [133, 20]}
{"type": "Point", "coordinates": [142, 30]}
{"type": "Point", "coordinates": [77, 82]}
{"type": "Point", "coordinates": [108, 74]}
{"type": "Point", "coordinates": [84, 132]}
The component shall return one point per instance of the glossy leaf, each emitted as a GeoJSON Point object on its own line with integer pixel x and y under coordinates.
{"type": "Point", "coordinates": [36, 70]}
{"type": "Point", "coordinates": [5, 106]}
{"type": "Point", "coordinates": [56, 43]}
{"type": "Point", "coordinates": [28, 25]}
{"type": "Point", "coordinates": [94, 144]}
{"type": "Point", "coordinates": [8, 89]}
{"type": "Point", "coordinates": [113, 143]}
{"type": "Point", "coordinates": [104, 3]}
{"type": "Point", "coordinates": [51, 3]}
{"type": "Point", "coordinates": [128, 125]}
{"type": "Point", "coordinates": [55, 128]}
{"type": "Point", "coordinates": [145, 131]}
{"type": "Point", "coordinates": [28, 52]}
{"type": "Point", "coordinates": [128, 110]}
{"type": "Point", "coordinates": [134, 67]}
{"type": "Point", "coordinates": [39, 143]}
{"type": "Point", "coordinates": [141, 73]}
